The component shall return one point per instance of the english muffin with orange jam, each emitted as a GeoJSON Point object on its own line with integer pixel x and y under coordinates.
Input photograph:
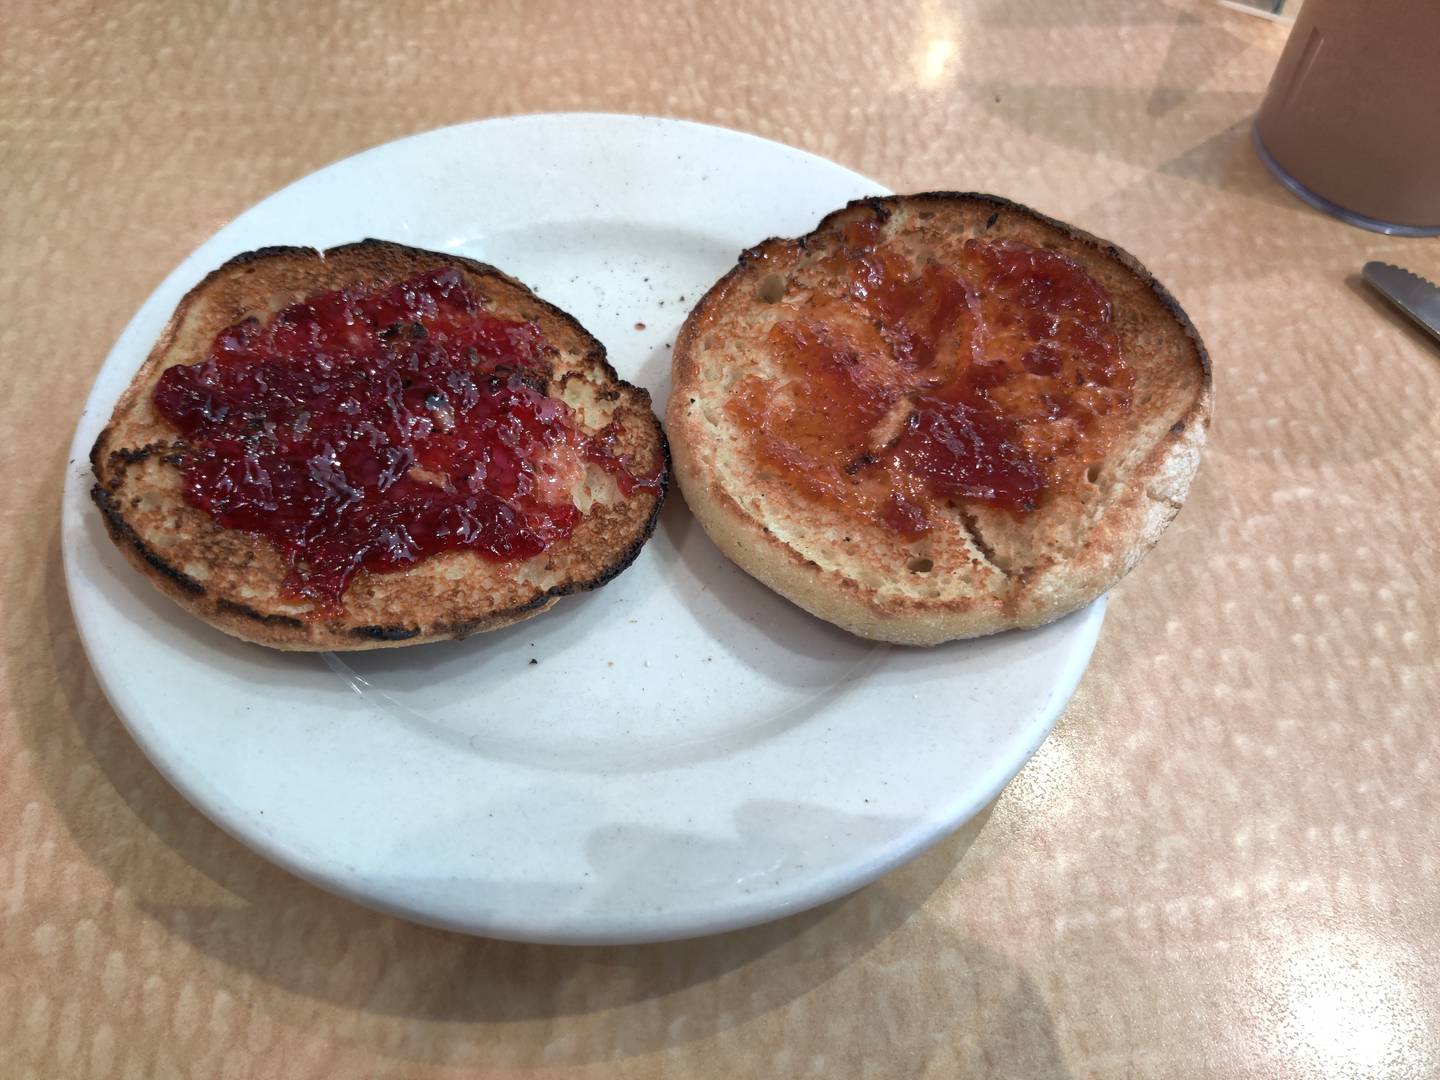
{"type": "Point", "coordinates": [937, 416]}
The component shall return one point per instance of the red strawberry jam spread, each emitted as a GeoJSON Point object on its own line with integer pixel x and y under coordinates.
{"type": "Point", "coordinates": [994, 376]}
{"type": "Point", "coordinates": [370, 429]}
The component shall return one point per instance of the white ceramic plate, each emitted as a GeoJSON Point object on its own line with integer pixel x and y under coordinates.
{"type": "Point", "coordinates": [690, 753]}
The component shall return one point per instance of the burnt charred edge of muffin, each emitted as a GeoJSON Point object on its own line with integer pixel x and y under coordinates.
{"type": "Point", "coordinates": [234, 607]}
{"type": "Point", "coordinates": [385, 633]}
{"type": "Point", "coordinates": [123, 533]}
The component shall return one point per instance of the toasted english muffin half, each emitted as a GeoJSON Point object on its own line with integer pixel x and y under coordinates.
{"type": "Point", "coordinates": [937, 416]}
{"type": "Point", "coordinates": [609, 462]}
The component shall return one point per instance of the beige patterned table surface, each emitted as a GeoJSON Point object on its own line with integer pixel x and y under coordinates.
{"type": "Point", "coordinates": [1224, 861]}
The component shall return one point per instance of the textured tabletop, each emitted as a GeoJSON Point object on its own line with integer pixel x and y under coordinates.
{"type": "Point", "coordinates": [1224, 862]}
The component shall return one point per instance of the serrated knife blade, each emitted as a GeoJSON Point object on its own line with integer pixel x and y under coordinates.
{"type": "Point", "coordinates": [1411, 293]}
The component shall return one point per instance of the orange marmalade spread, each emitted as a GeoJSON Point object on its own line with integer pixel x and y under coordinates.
{"type": "Point", "coordinates": [372, 428]}
{"type": "Point", "coordinates": [994, 377]}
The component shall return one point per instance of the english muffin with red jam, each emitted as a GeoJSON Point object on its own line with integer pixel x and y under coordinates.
{"type": "Point", "coordinates": [937, 416]}
{"type": "Point", "coordinates": [375, 445]}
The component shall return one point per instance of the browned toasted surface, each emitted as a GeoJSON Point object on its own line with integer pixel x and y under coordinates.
{"type": "Point", "coordinates": [980, 569]}
{"type": "Point", "coordinates": [234, 580]}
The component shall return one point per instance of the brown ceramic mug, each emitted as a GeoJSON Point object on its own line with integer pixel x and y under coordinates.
{"type": "Point", "coordinates": [1351, 121]}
